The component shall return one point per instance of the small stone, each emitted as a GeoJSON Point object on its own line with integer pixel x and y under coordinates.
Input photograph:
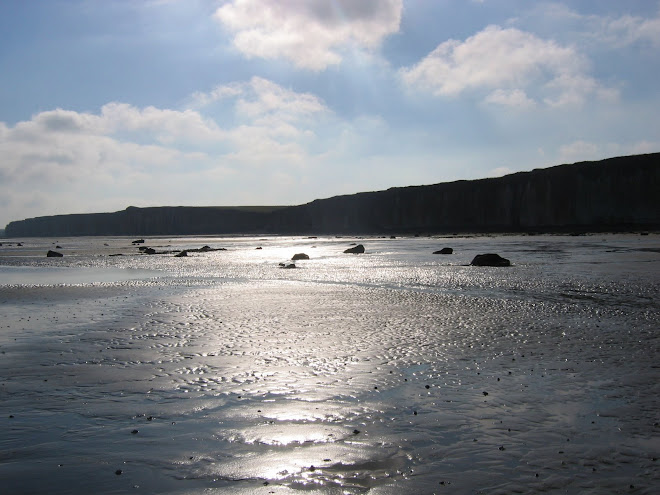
{"type": "Point", "coordinates": [415, 413]}
{"type": "Point", "coordinates": [485, 393]}
{"type": "Point", "coordinates": [312, 468]}
{"type": "Point", "coordinates": [118, 472]}
{"type": "Point", "coordinates": [428, 386]}
{"type": "Point", "coordinates": [134, 432]}
{"type": "Point", "coordinates": [355, 432]}
{"type": "Point", "coordinates": [502, 447]}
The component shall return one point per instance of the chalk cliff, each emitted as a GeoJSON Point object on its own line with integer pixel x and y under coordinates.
{"type": "Point", "coordinates": [614, 194]}
{"type": "Point", "coordinates": [620, 193]}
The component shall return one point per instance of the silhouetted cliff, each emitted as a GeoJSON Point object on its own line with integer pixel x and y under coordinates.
{"type": "Point", "coordinates": [165, 220]}
{"type": "Point", "coordinates": [616, 194]}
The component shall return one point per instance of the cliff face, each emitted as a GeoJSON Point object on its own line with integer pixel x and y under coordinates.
{"type": "Point", "coordinates": [616, 194]}
{"type": "Point", "coordinates": [167, 220]}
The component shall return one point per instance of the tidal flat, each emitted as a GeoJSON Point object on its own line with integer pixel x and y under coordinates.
{"type": "Point", "coordinates": [393, 371]}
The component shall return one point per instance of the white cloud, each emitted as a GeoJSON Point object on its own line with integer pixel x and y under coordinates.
{"type": "Point", "coordinates": [631, 29]}
{"type": "Point", "coordinates": [619, 31]}
{"type": "Point", "coordinates": [309, 33]}
{"type": "Point", "coordinates": [578, 150]}
{"type": "Point", "coordinates": [509, 63]}
{"type": "Point", "coordinates": [511, 98]}
{"type": "Point", "coordinates": [160, 155]}
{"type": "Point", "coordinates": [642, 147]}
{"type": "Point", "coordinates": [260, 97]}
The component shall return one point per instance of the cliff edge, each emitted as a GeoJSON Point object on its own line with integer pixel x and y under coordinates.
{"type": "Point", "coordinates": [616, 194]}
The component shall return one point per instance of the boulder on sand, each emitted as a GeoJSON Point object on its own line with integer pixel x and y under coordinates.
{"type": "Point", "coordinates": [490, 259]}
{"type": "Point", "coordinates": [299, 256]}
{"type": "Point", "coordinates": [359, 249]}
{"type": "Point", "coordinates": [182, 254]}
{"type": "Point", "coordinates": [445, 250]}
{"type": "Point", "coordinates": [53, 254]}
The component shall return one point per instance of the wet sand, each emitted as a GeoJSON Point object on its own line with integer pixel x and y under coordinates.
{"type": "Point", "coordinates": [283, 386]}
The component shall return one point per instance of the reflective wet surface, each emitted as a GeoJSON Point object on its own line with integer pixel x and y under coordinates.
{"type": "Point", "coordinates": [395, 371]}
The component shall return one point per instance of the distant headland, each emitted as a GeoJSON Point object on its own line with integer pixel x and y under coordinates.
{"type": "Point", "coordinates": [616, 194]}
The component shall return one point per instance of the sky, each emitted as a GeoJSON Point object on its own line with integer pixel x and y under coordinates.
{"type": "Point", "coordinates": [106, 104]}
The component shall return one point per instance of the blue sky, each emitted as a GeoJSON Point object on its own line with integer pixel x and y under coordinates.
{"type": "Point", "coordinates": [111, 103]}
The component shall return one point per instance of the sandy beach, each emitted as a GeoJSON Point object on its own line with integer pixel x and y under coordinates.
{"type": "Point", "coordinates": [344, 376]}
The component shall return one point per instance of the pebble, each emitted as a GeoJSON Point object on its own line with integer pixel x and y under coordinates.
{"type": "Point", "coordinates": [118, 472]}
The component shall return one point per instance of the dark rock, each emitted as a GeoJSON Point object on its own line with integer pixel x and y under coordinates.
{"type": "Point", "coordinates": [58, 247]}
{"type": "Point", "coordinates": [138, 241]}
{"type": "Point", "coordinates": [53, 254]}
{"type": "Point", "coordinates": [259, 247]}
{"type": "Point", "coordinates": [300, 256]}
{"type": "Point", "coordinates": [182, 254]}
{"type": "Point", "coordinates": [118, 472]}
{"type": "Point", "coordinates": [490, 259]}
{"type": "Point", "coordinates": [445, 250]}
{"type": "Point", "coordinates": [287, 265]}
{"type": "Point", "coordinates": [148, 250]}
{"type": "Point", "coordinates": [359, 249]}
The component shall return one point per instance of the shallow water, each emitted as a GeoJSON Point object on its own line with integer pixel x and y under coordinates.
{"type": "Point", "coordinates": [395, 371]}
